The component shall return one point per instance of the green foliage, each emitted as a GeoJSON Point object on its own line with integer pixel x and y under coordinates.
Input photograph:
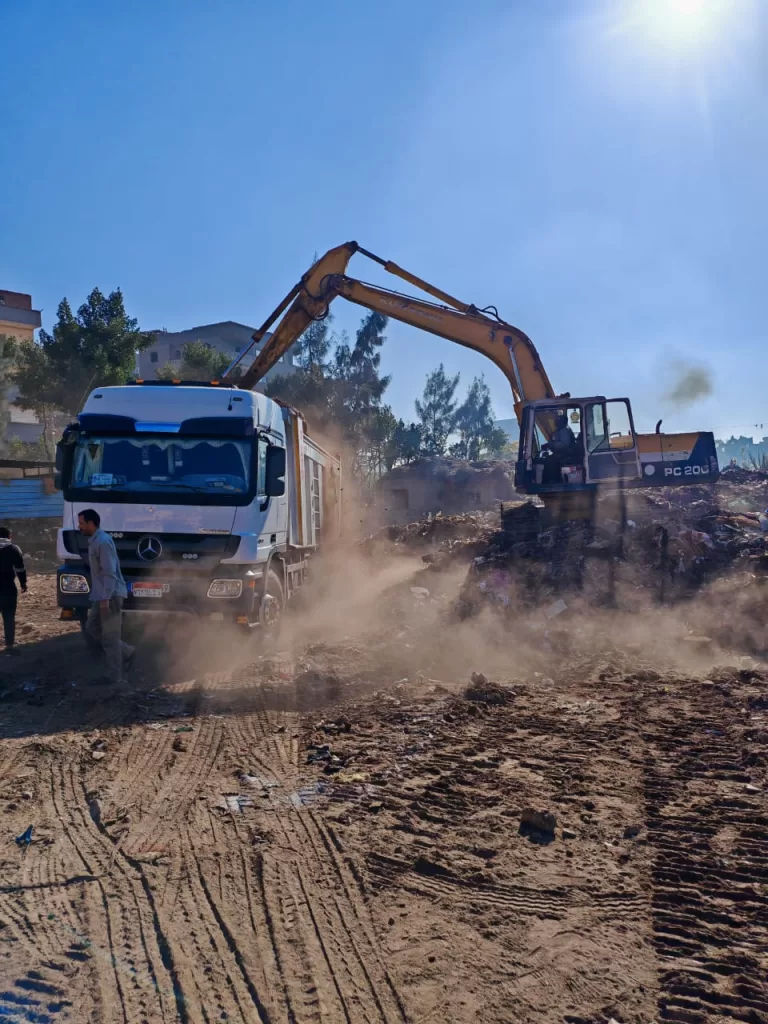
{"type": "Point", "coordinates": [33, 451]}
{"type": "Point", "coordinates": [474, 422]}
{"type": "Point", "coordinates": [199, 361]}
{"type": "Point", "coordinates": [437, 411]}
{"type": "Point", "coordinates": [7, 354]}
{"type": "Point", "coordinates": [406, 443]}
{"type": "Point", "coordinates": [339, 388]}
{"type": "Point", "coordinates": [96, 347]}
{"type": "Point", "coordinates": [311, 350]}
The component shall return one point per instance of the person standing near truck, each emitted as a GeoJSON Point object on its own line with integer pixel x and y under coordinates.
{"type": "Point", "coordinates": [103, 628]}
{"type": "Point", "coordinates": [11, 566]}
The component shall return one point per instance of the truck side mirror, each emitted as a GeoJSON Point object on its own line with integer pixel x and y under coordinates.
{"type": "Point", "coordinates": [275, 472]}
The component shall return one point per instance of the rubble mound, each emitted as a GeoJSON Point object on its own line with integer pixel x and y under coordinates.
{"type": "Point", "coordinates": [482, 691]}
{"type": "Point", "coordinates": [668, 542]}
{"type": "Point", "coordinates": [439, 538]}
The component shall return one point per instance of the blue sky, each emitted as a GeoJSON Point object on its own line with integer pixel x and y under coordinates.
{"type": "Point", "coordinates": [596, 173]}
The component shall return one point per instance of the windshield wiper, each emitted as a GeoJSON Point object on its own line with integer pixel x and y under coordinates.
{"type": "Point", "coordinates": [170, 483]}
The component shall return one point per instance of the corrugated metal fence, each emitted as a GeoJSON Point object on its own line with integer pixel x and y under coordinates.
{"type": "Point", "coordinates": [27, 491]}
{"type": "Point", "coordinates": [27, 499]}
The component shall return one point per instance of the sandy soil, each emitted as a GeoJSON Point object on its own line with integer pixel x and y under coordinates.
{"type": "Point", "coordinates": [331, 830]}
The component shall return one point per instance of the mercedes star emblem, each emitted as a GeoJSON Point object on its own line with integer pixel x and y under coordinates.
{"type": "Point", "coordinates": [149, 548]}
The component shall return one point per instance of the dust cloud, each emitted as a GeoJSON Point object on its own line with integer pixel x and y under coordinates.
{"type": "Point", "coordinates": [364, 623]}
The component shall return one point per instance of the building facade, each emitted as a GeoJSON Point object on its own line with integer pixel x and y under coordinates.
{"type": "Point", "coordinates": [445, 485]}
{"type": "Point", "coordinates": [228, 337]}
{"type": "Point", "coordinates": [20, 321]}
{"type": "Point", "coordinates": [17, 317]}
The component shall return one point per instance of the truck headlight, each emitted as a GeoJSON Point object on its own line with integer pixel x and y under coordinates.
{"type": "Point", "coordinates": [225, 588]}
{"type": "Point", "coordinates": [72, 583]}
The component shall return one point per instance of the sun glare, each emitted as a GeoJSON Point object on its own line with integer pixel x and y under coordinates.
{"type": "Point", "coordinates": [680, 24]}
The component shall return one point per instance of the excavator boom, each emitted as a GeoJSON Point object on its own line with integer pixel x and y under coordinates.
{"type": "Point", "coordinates": [506, 346]}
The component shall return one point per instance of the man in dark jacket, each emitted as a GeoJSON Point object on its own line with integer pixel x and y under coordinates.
{"type": "Point", "coordinates": [11, 566]}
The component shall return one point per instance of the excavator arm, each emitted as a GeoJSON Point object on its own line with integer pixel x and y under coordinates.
{"type": "Point", "coordinates": [481, 330]}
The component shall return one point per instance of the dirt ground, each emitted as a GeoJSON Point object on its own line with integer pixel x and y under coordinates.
{"type": "Point", "coordinates": [330, 830]}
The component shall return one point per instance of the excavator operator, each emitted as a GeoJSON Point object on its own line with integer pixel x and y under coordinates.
{"type": "Point", "coordinates": [562, 449]}
{"type": "Point", "coordinates": [563, 440]}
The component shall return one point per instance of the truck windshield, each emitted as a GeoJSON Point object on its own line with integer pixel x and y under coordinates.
{"type": "Point", "coordinates": [162, 464]}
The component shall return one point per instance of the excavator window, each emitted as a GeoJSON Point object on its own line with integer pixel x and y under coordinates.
{"type": "Point", "coordinates": [609, 426]}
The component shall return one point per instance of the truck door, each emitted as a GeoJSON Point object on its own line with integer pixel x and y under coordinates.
{"type": "Point", "coordinates": [611, 444]}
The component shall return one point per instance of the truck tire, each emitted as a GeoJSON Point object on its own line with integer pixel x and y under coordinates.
{"type": "Point", "coordinates": [272, 604]}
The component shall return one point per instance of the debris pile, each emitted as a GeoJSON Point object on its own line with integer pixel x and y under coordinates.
{"type": "Point", "coordinates": [668, 542]}
{"type": "Point", "coordinates": [440, 539]}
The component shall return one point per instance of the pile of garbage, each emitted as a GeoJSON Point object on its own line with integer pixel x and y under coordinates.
{"type": "Point", "coordinates": [439, 539]}
{"type": "Point", "coordinates": [668, 542]}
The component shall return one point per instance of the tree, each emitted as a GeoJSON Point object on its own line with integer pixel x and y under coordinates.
{"type": "Point", "coordinates": [406, 443]}
{"type": "Point", "coordinates": [358, 370]}
{"type": "Point", "coordinates": [475, 423]}
{"type": "Point", "coordinates": [437, 410]}
{"type": "Point", "coordinates": [379, 435]}
{"type": "Point", "coordinates": [311, 350]}
{"type": "Point", "coordinates": [199, 361]}
{"type": "Point", "coordinates": [96, 347]}
{"type": "Point", "coordinates": [344, 392]}
{"type": "Point", "coordinates": [7, 353]}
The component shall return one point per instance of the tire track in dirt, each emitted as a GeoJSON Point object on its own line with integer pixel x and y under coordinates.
{"type": "Point", "coordinates": [318, 923]}
{"type": "Point", "coordinates": [184, 777]}
{"type": "Point", "coordinates": [553, 903]}
{"type": "Point", "coordinates": [120, 937]}
{"type": "Point", "coordinates": [710, 876]}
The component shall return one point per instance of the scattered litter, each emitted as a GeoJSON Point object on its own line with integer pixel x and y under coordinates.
{"type": "Point", "coordinates": [338, 725]}
{"type": "Point", "coordinates": [26, 837]}
{"type": "Point", "coordinates": [555, 609]}
{"type": "Point", "coordinates": [319, 754]}
{"type": "Point", "coordinates": [98, 755]}
{"type": "Point", "coordinates": [309, 794]}
{"type": "Point", "coordinates": [540, 821]}
{"type": "Point", "coordinates": [344, 776]}
{"type": "Point", "coordinates": [235, 802]}
{"type": "Point", "coordinates": [183, 728]}
{"type": "Point", "coordinates": [482, 691]}
{"type": "Point", "coordinates": [258, 781]}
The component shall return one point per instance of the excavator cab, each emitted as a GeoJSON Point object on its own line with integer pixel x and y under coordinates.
{"type": "Point", "coordinates": [573, 444]}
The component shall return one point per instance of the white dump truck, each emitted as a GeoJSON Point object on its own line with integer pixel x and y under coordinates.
{"type": "Point", "coordinates": [216, 498]}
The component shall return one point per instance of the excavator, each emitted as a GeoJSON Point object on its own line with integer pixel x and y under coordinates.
{"type": "Point", "coordinates": [569, 447]}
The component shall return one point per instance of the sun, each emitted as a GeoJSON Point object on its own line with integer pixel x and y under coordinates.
{"type": "Point", "coordinates": [680, 24]}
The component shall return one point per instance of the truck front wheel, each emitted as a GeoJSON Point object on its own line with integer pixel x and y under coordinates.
{"type": "Point", "coordinates": [272, 603]}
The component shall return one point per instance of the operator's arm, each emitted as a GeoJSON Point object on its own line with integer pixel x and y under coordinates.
{"type": "Point", "coordinates": [18, 565]}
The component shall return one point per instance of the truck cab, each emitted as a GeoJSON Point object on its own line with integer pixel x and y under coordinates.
{"type": "Point", "coordinates": [216, 499]}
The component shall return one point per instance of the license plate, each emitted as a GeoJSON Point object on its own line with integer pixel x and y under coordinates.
{"type": "Point", "coordinates": [149, 589]}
